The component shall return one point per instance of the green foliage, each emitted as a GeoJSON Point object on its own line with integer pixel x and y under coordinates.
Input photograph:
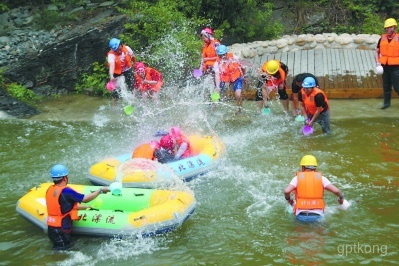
{"type": "Point", "coordinates": [49, 19]}
{"type": "Point", "coordinates": [163, 37]}
{"type": "Point", "coordinates": [21, 93]}
{"type": "Point", "coordinates": [3, 7]}
{"type": "Point", "coordinates": [95, 81]}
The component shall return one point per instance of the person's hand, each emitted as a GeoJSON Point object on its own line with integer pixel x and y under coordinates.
{"type": "Point", "coordinates": [291, 202]}
{"type": "Point", "coordinates": [340, 200]}
{"type": "Point", "coordinates": [105, 190]}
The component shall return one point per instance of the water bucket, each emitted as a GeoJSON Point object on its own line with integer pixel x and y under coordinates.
{"type": "Point", "coordinates": [110, 86]}
{"type": "Point", "coordinates": [379, 70]}
{"type": "Point", "coordinates": [345, 205]}
{"type": "Point", "coordinates": [266, 111]}
{"type": "Point", "coordinates": [116, 188]}
{"type": "Point", "coordinates": [128, 109]}
{"type": "Point", "coordinates": [215, 96]}
{"type": "Point", "coordinates": [300, 118]}
{"type": "Point", "coordinates": [197, 73]}
{"type": "Point", "coordinates": [307, 130]}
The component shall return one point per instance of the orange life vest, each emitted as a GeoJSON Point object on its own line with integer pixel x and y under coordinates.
{"type": "Point", "coordinates": [209, 51]}
{"type": "Point", "coordinates": [150, 74]}
{"type": "Point", "coordinates": [309, 192]}
{"type": "Point", "coordinates": [389, 50]}
{"type": "Point", "coordinates": [145, 150]}
{"type": "Point", "coordinates": [118, 62]}
{"type": "Point", "coordinates": [230, 69]}
{"type": "Point", "coordinates": [309, 102]}
{"type": "Point", "coordinates": [54, 215]}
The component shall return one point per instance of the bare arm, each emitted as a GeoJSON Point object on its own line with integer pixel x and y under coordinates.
{"type": "Point", "coordinates": [93, 195]}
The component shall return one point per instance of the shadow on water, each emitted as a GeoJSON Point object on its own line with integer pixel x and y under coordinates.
{"type": "Point", "coordinates": [241, 215]}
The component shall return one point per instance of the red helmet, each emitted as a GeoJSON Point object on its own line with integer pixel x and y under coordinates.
{"type": "Point", "coordinates": [208, 30]}
{"type": "Point", "coordinates": [167, 142]}
{"type": "Point", "coordinates": [139, 67]}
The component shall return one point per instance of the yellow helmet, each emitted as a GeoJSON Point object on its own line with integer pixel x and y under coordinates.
{"type": "Point", "coordinates": [271, 67]}
{"type": "Point", "coordinates": [390, 22]}
{"type": "Point", "coordinates": [309, 160]}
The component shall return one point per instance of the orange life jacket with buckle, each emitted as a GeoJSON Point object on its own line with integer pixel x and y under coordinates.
{"type": "Point", "coordinates": [54, 215]}
{"type": "Point", "coordinates": [309, 102]}
{"type": "Point", "coordinates": [118, 62]}
{"type": "Point", "coordinates": [230, 69]}
{"type": "Point", "coordinates": [309, 192]}
{"type": "Point", "coordinates": [389, 50]}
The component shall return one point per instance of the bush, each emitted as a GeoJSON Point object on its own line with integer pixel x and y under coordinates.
{"type": "Point", "coordinates": [21, 93]}
{"type": "Point", "coordinates": [94, 81]}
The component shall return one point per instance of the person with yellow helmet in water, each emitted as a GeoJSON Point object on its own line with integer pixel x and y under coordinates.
{"type": "Point", "coordinates": [272, 78]}
{"type": "Point", "coordinates": [308, 186]}
{"type": "Point", "coordinates": [387, 56]}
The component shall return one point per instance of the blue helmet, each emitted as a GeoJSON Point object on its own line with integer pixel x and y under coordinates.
{"type": "Point", "coordinates": [221, 49]}
{"type": "Point", "coordinates": [58, 171]}
{"type": "Point", "coordinates": [114, 43]}
{"type": "Point", "coordinates": [309, 82]}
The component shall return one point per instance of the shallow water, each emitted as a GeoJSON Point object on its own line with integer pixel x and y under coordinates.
{"type": "Point", "coordinates": [241, 216]}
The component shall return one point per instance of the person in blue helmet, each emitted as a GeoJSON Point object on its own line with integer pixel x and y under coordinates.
{"type": "Point", "coordinates": [62, 207]}
{"type": "Point", "coordinates": [228, 71]}
{"type": "Point", "coordinates": [314, 105]}
{"type": "Point", "coordinates": [121, 60]}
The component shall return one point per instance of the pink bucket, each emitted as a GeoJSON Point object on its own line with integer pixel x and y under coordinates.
{"type": "Point", "coordinates": [110, 86]}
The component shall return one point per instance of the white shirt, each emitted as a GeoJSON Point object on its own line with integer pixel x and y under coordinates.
{"type": "Point", "coordinates": [111, 58]}
{"type": "Point", "coordinates": [325, 183]}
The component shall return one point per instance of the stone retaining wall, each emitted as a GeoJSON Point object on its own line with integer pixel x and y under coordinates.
{"type": "Point", "coordinates": [305, 42]}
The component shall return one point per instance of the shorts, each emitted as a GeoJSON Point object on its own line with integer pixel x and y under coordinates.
{"type": "Point", "coordinates": [308, 217]}
{"type": "Point", "coordinates": [129, 80]}
{"type": "Point", "coordinates": [283, 95]}
{"type": "Point", "coordinates": [61, 239]}
{"type": "Point", "coordinates": [237, 85]}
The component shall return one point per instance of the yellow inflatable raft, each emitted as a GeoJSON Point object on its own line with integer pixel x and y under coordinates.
{"type": "Point", "coordinates": [136, 211]}
{"type": "Point", "coordinates": [207, 151]}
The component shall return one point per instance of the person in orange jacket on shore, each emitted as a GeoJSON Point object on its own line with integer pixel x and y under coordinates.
{"type": "Point", "coordinates": [309, 187]}
{"type": "Point", "coordinates": [387, 56]}
{"type": "Point", "coordinates": [229, 71]}
{"type": "Point", "coordinates": [62, 207]}
{"type": "Point", "coordinates": [209, 55]}
{"type": "Point", "coordinates": [148, 80]}
{"type": "Point", "coordinates": [120, 62]}
{"type": "Point", "coordinates": [272, 78]}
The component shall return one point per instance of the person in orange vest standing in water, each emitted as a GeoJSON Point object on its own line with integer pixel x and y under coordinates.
{"type": "Point", "coordinates": [387, 55]}
{"type": "Point", "coordinates": [272, 78]}
{"type": "Point", "coordinates": [120, 62]}
{"type": "Point", "coordinates": [228, 71]}
{"type": "Point", "coordinates": [62, 207]}
{"type": "Point", "coordinates": [314, 105]}
{"type": "Point", "coordinates": [309, 187]}
{"type": "Point", "coordinates": [148, 80]}
{"type": "Point", "coordinates": [209, 55]}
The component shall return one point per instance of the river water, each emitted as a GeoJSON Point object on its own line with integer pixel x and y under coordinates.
{"type": "Point", "coordinates": [241, 216]}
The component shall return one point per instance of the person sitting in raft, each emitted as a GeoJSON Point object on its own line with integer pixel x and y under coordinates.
{"type": "Point", "coordinates": [165, 153]}
{"type": "Point", "coordinates": [309, 188]}
{"type": "Point", "coordinates": [148, 80]}
{"type": "Point", "coordinates": [182, 144]}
